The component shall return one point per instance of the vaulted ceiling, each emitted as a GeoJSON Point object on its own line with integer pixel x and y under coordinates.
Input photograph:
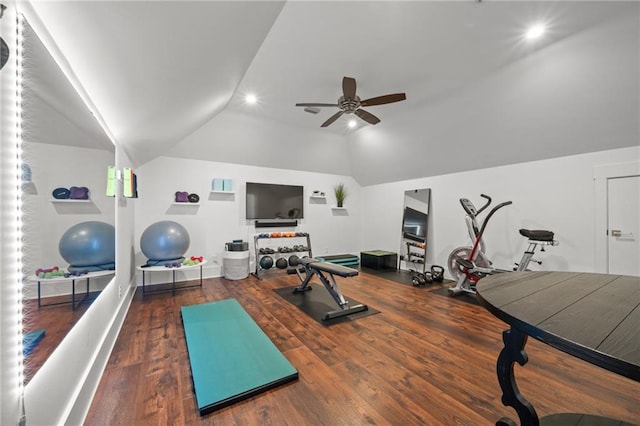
{"type": "Point", "coordinates": [170, 77]}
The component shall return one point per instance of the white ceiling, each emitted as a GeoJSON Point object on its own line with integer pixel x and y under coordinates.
{"type": "Point", "coordinates": [53, 113]}
{"type": "Point", "coordinates": [169, 76]}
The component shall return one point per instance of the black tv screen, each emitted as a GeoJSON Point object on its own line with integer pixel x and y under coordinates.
{"type": "Point", "coordinates": [414, 224]}
{"type": "Point", "coordinates": [273, 201]}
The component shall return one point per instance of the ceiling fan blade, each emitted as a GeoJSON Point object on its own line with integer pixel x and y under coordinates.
{"type": "Point", "coordinates": [316, 105]}
{"type": "Point", "coordinates": [366, 116]}
{"type": "Point", "coordinates": [349, 87]}
{"type": "Point", "coordinates": [333, 118]}
{"type": "Point", "coordinates": [385, 99]}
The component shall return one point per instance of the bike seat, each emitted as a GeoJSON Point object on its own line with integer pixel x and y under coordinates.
{"type": "Point", "coordinates": [537, 234]}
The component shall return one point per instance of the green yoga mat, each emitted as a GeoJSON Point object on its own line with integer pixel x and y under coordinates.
{"type": "Point", "coordinates": [231, 357]}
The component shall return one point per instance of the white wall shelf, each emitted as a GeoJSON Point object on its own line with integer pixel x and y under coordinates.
{"type": "Point", "coordinates": [318, 197]}
{"type": "Point", "coordinates": [338, 208]}
{"type": "Point", "coordinates": [222, 192]}
{"type": "Point", "coordinates": [175, 203]}
{"type": "Point", "coordinates": [68, 200]}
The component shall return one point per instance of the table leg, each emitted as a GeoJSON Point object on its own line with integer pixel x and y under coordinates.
{"type": "Point", "coordinates": [513, 351]}
{"type": "Point", "coordinates": [143, 282]}
{"type": "Point", "coordinates": [173, 288]}
{"type": "Point", "coordinates": [200, 275]}
{"type": "Point", "coordinates": [39, 305]}
{"type": "Point", "coordinates": [73, 295]}
{"type": "Point", "coordinates": [86, 294]}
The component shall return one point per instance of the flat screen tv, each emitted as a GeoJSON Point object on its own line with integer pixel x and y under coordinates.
{"type": "Point", "coordinates": [414, 225]}
{"type": "Point", "coordinates": [272, 201]}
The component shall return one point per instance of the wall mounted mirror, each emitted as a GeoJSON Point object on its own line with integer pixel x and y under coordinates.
{"type": "Point", "coordinates": [415, 220]}
{"type": "Point", "coordinates": [63, 146]}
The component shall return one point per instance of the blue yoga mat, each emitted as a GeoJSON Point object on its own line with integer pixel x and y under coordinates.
{"type": "Point", "coordinates": [30, 340]}
{"type": "Point", "coordinates": [231, 357]}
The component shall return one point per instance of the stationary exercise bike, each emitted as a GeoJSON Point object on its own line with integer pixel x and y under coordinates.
{"type": "Point", "coordinates": [468, 265]}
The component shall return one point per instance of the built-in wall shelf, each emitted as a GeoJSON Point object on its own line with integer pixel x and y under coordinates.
{"type": "Point", "coordinates": [339, 211]}
{"type": "Point", "coordinates": [176, 203]}
{"type": "Point", "coordinates": [222, 195]}
{"type": "Point", "coordinates": [67, 200]}
{"type": "Point", "coordinates": [317, 199]}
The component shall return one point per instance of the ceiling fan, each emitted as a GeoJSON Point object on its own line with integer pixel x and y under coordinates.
{"type": "Point", "coordinates": [349, 103]}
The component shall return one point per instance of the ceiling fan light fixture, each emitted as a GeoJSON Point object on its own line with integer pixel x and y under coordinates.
{"type": "Point", "coordinates": [352, 123]}
{"type": "Point", "coordinates": [350, 103]}
{"type": "Point", "coordinates": [251, 99]}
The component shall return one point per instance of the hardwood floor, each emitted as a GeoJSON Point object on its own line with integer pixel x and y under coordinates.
{"type": "Point", "coordinates": [56, 320]}
{"type": "Point", "coordinates": [424, 359]}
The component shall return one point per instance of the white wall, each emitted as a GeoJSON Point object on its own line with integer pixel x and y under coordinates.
{"type": "Point", "coordinates": [219, 219]}
{"type": "Point", "coordinates": [555, 194]}
{"type": "Point", "coordinates": [54, 166]}
{"type": "Point", "coordinates": [235, 137]}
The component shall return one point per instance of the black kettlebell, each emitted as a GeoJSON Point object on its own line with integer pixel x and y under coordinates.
{"type": "Point", "coordinates": [437, 273]}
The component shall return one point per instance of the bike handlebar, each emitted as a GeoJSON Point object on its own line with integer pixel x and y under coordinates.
{"type": "Point", "coordinates": [493, 210]}
{"type": "Point", "coordinates": [486, 221]}
{"type": "Point", "coordinates": [486, 204]}
{"type": "Point", "coordinates": [480, 232]}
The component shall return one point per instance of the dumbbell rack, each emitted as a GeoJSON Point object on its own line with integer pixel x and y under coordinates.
{"type": "Point", "coordinates": [283, 245]}
{"type": "Point", "coordinates": [415, 255]}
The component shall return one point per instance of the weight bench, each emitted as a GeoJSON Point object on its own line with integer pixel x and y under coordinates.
{"type": "Point", "coordinates": [313, 267]}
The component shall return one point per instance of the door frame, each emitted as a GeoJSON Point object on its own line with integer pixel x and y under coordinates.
{"type": "Point", "coordinates": [601, 175]}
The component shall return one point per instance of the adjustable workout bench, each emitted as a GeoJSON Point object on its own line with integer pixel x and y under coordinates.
{"type": "Point", "coordinates": [313, 267]}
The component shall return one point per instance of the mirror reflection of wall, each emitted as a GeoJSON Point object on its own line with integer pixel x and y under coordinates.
{"type": "Point", "coordinates": [63, 146]}
{"type": "Point", "coordinates": [414, 232]}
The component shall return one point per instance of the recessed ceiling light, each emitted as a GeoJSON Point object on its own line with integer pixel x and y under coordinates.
{"type": "Point", "coordinates": [353, 123]}
{"type": "Point", "coordinates": [535, 31]}
{"type": "Point", "coordinates": [250, 99]}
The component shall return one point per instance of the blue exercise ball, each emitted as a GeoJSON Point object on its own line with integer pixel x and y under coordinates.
{"type": "Point", "coordinates": [165, 240]}
{"type": "Point", "coordinates": [89, 244]}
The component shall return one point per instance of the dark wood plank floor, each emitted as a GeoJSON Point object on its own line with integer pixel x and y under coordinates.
{"type": "Point", "coordinates": [425, 359]}
{"type": "Point", "coordinates": [57, 320]}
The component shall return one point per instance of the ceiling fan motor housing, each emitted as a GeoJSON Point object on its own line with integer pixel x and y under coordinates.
{"type": "Point", "coordinates": [349, 105]}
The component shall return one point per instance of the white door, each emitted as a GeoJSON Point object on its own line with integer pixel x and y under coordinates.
{"type": "Point", "coordinates": [624, 225]}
